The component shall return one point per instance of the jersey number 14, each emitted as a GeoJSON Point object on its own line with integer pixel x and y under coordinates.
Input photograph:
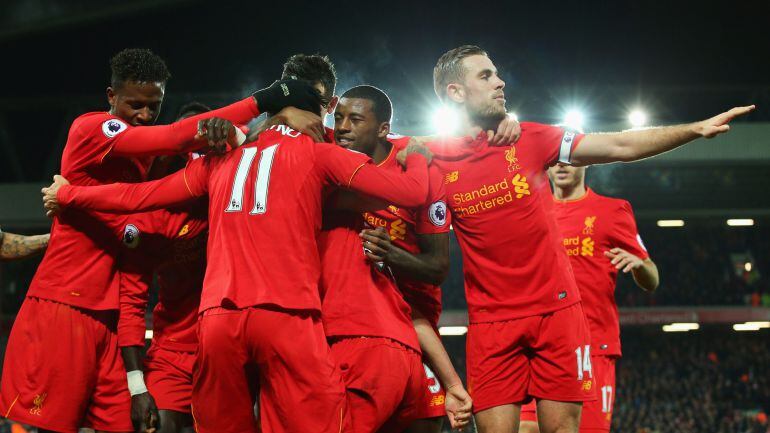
{"type": "Point", "coordinates": [260, 186]}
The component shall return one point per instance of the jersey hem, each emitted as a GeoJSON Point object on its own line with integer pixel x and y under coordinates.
{"type": "Point", "coordinates": [506, 318]}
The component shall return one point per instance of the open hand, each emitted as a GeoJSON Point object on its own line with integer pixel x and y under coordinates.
{"type": "Point", "coordinates": [719, 124]}
{"type": "Point", "coordinates": [624, 260]}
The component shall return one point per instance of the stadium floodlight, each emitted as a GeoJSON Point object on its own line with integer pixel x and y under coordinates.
{"type": "Point", "coordinates": [745, 327]}
{"type": "Point", "coordinates": [453, 330]}
{"type": "Point", "coordinates": [670, 223]}
{"type": "Point", "coordinates": [748, 267]}
{"type": "Point", "coordinates": [681, 327]}
{"type": "Point", "coordinates": [445, 120]}
{"type": "Point", "coordinates": [740, 222]}
{"type": "Point", "coordinates": [574, 119]}
{"type": "Point", "coordinates": [762, 325]}
{"type": "Point", "coordinates": [513, 116]}
{"type": "Point", "coordinates": [148, 334]}
{"type": "Point", "coordinates": [637, 118]}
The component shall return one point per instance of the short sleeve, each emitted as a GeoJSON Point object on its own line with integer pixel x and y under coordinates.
{"type": "Point", "coordinates": [625, 235]}
{"type": "Point", "coordinates": [551, 144]}
{"type": "Point", "coordinates": [338, 165]}
{"type": "Point", "coordinates": [433, 217]}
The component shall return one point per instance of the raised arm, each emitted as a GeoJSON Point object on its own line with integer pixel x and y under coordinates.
{"type": "Point", "coordinates": [180, 137]}
{"type": "Point", "coordinates": [14, 247]}
{"type": "Point", "coordinates": [639, 144]}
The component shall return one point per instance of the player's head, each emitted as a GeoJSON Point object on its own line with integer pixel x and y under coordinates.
{"type": "Point", "coordinates": [566, 176]}
{"type": "Point", "coordinates": [319, 71]}
{"type": "Point", "coordinates": [362, 118]}
{"type": "Point", "coordinates": [192, 108]}
{"type": "Point", "coordinates": [137, 86]}
{"type": "Point", "coordinates": [465, 76]}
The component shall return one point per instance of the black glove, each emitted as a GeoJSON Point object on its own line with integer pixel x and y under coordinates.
{"type": "Point", "coordinates": [285, 93]}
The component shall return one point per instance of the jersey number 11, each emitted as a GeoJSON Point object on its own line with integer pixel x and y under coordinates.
{"type": "Point", "coordinates": [260, 186]}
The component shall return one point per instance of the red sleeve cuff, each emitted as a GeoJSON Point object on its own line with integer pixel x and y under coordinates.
{"type": "Point", "coordinates": [64, 195]}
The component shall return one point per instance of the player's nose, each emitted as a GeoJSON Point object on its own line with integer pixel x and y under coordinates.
{"type": "Point", "coordinates": [144, 116]}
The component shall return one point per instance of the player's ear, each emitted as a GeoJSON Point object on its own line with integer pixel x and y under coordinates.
{"type": "Point", "coordinates": [455, 92]}
{"type": "Point", "coordinates": [332, 104]}
{"type": "Point", "coordinates": [111, 96]}
{"type": "Point", "coordinates": [384, 130]}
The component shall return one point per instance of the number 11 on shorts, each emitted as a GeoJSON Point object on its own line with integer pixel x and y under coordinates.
{"type": "Point", "coordinates": [583, 361]}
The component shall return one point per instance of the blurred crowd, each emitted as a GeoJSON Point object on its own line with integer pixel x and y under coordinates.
{"type": "Point", "coordinates": [699, 265]}
{"type": "Point", "coordinates": [702, 381]}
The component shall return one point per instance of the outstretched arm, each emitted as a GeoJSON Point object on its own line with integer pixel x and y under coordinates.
{"type": "Point", "coordinates": [170, 191]}
{"type": "Point", "coordinates": [19, 246]}
{"type": "Point", "coordinates": [639, 144]}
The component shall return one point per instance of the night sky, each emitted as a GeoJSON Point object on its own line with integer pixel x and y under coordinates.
{"type": "Point", "coordinates": [681, 61]}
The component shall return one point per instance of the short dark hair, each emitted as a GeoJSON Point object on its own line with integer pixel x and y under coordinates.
{"type": "Point", "coordinates": [449, 67]}
{"type": "Point", "coordinates": [381, 105]}
{"type": "Point", "coordinates": [138, 64]}
{"type": "Point", "coordinates": [314, 68]}
{"type": "Point", "coordinates": [193, 107]}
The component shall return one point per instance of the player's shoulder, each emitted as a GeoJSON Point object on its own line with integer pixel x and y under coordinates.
{"type": "Point", "coordinates": [398, 141]}
{"type": "Point", "coordinates": [610, 202]}
{"type": "Point", "coordinates": [100, 123]}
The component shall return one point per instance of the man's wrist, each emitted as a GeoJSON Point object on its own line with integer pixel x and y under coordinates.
{"type": "Point", "coordinates": [136, 383]}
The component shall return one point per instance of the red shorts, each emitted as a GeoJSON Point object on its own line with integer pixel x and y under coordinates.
{"type": "Point", "coordinates": [385, 381]}
{"type": "Point", "coordinates": [63, 370]}
{"type": "Point", "coordinates": [545, 356]}
{"type": "Point", "coordinates": [434, 396]}
{"type": "Point", "coordinates": [168, 375]}
{"type": "Point", "coordinates": [596, 415]}
{"type": "Point", "coordinates": [282, 353]}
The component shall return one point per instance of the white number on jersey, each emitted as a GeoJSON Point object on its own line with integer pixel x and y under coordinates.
{"type": "Point", "coordinates": [583, 361]}
{"type": "Point", "coordinates": [261, 185]}
{"type": "Point", "coordinates": [607, 399]}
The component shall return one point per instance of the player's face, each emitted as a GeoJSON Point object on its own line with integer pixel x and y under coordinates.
{"type": "Point", "coordinates": [484, 97]}
{"type": "Point", "coordinates": [138, 103]}
{"type": "Point", "coordinates": [356, 126]}
{"type": "Point", "coordinates": [566, 176]}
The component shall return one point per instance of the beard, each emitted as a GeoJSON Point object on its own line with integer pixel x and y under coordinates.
{"type": "Point", "coordinates": [487, 116]}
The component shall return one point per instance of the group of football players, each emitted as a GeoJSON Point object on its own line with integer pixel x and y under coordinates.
{"type": "Point", "coordinates": [299, 267]}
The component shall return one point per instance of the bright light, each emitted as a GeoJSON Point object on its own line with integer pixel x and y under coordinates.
{"type": "Point", "coordinates": [637, 118]}
{"type": "Point", "coordinates": [764, 325]}
{"type": "Point", "coordinates": [574, 119]}
{"type": "Point", "coordinates": [680, 327]}
{"type": "Point", "coordinates": [445, 120]}
{"type": "Point", "coordinates": [745, 327]}
{"type": "Point", "coordinates": [740, 222]}
{"type": "Point", "coordinates": [513, 116]}
{"type": "Point", "coordinates": [670, 223]}
{"type": "Point", "coordinates": [148, 334]}
{"type": "Point", "coordinates": [453, 330]}
{"type": "Point", "coordinates": [747, 267]}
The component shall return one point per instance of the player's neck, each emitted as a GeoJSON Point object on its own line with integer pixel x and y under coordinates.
{"type": "Point", "coordinates": [381, 151]}
{"type": "Point", "coordinates": [570, 192]}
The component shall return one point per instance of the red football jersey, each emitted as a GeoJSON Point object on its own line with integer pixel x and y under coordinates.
{"type": "Point", "coordinates": [405, 224]}
{"type": "Point", "coordinates": [173, 245]}
{"type": "Point", "coordinates": [79, 264]}
{"type": "Point", "coordinates": [358, 298]}
{"type": "Point", "coordinates": [513, 261]}
{"type": "Point", "coordinates": [590, 226]}
{"type": "Point", "coordinates": [264, 213]}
